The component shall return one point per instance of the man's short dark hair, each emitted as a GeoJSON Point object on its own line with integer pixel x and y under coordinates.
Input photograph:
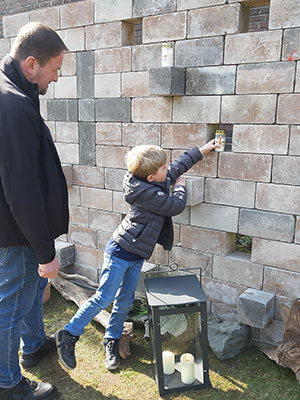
{"type": "Point", "coordinates": [39, 41]}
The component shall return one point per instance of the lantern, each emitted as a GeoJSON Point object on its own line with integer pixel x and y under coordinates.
{"type": "Point", "coordinates": [178, 332]}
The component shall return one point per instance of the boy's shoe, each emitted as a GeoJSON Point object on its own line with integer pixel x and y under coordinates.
{"type": "Point", "coordinates": [112, 358]}
{"type": "Point", "coordinates": [65, 343]}
{"type": "Point", "coordinates": [30, 360]}
{"type": "Point", "coordinates": [29, 390]}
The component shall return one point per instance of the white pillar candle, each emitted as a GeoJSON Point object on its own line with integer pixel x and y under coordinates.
{"type": "Point", "coordinates": [168, 359]}
{"type": "Point", "coordinates": [187, 368]}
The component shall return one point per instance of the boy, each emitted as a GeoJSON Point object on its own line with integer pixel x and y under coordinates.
{"type": "Point", "coordinates": [146, 188]}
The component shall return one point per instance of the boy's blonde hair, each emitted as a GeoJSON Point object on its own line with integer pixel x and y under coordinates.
{"type": "Point", "coordinates": [145, 160]}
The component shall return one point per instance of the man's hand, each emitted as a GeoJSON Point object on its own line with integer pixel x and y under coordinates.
{"type": "Point", "coordinates": [211, 145]}
{"type": "Point", "coordinates": [49, 270]}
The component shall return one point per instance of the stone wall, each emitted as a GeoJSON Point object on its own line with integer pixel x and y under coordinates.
{"type": "Point", "coordinates": [249, 81]}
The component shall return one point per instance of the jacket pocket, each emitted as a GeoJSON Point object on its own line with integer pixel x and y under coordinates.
{"type": "Point", "coordinates": [3, 255]}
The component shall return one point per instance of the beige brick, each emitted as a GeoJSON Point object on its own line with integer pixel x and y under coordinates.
{"type": "Point", "coordinates": [84, 236]}
{"type": "Point", "coordinates": [77, 14]}
{"type": "Point", "coordinates": [108, 133]}
{"type": "Point", "coordinates": [73, 38]}
{"type": "Point", "coordinates": [288, 106]}
{"type": "Point", "coordinates": [145, 57]}
{"type": "Point", "coordinates": [113, 60]}
{"type": "Point", "coordinates": [13, 23]}
{"type": "Point", "coordinates": [107, 10]}
{"type": "Point", "coordinates": [213, 216]}
{"type": "Point", "coordinates": [68, 173]}
{"type": "Point", "coordinates": [183, 136]}
{"type": "Point", "coordinates": [96, 198]}
{"type": "Point", "coordinates": [272, 139]}
{"type": "Point", "coordinates": [186, 258]}
{"type": "Point", "coordinates": [74, 195]}
{"type": "Point", "coordinates": [68, 152]}
{"type": "Point", "coordinates": [286, 170]}
{"type": "Point", "coordinates": [279, 198]}
{"type": "Point", "coordinates": [284, 14]}
{"type": "Point", "coordinates": [297, 231]}
{"type": "Point", "coordinates": [103, 238]}
{"type": "Point", "coordinates": [135, 84]}
{"type": "Point", "coordinates": [297, 86]}
{"type": "Point", "coordinates": [79, 216]}
{"type": "Point", "coordinates": [105, 221]}
{"type": "Point", "coordinates": [290, 48]}
{"type": "Point", "coordinates": [88, 256]}
{"type": "Point", "coordinates": [152, 109]}
{"type": "Point", "coordinates": [190, 4]}
{"type": "Point", "coordinates": [254, 109]}
{"type": "Point", "coordinates": [216, 242]}
{"type": "Point", "coordinates": [230, 192]}
{"type": "Point", "coordinates": [119, 204]}
{"type": "Point", "coordinates": [276, 77]}
{"type": "Point", "coordinates": [159, 256]}
{"type": "Point", "coordinates": [136, 134]}
{"type": "Point", "coordinates": [201, 109]}
{"type": "Point", "coordinates": [195, 190]}
{"type": "Point", "coordinates": [47, 16]}
{"type": "Point", "coordinates": [69, 64]}
{"type": "Point", "coordinates": [113, 157]}
{"type": "Point", "coordinates": [249, 167]}
{"type": "Point", "coordinates": [253, 47]}
{"type": "Point", "coordinates": [282, 282]}
{"type": "Point", "coordinates": [111, 34]}
{"type": "Point", "coordinates": [108, 85]}
{"type": "Point", "coordinates": [207, 167]}
{"type": "Point", "coordinates": [67, 132]}
{"type": "Point", "coordinates": [85, 175]}
{"type": "Point", "coordinates": [222, 292]}
{"type": "Point", "coordinates": [113, 178]}
{"type": "Point", "coordinates": [66, 87]}
{"type": "Point", "coordinates": [164, 27]}
{"type": "Point", "coordinates": [237, 268]}
{"type": "Point", "coordinates": [4, 47]}
{"type": "Point", "coordinates": [294, 148]}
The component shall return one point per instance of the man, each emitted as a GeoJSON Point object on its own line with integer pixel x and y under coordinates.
{"type": "Point", "coordinates": [33, 207]}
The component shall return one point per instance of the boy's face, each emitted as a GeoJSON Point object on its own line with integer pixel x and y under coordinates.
{"type": "Point", "coordinates": [160, 175]}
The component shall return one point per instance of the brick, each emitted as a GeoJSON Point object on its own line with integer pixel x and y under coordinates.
{"type": "Point", "coordinates": [277, 254]}
{"type": "Point", "coordinates": [50, 92]}
{"type": "Point", "coordinates": [145, 57]}
{"type": "Point", "coordinates": [66, 87]}
{"type": "Point", "coordinates": [272, 139]}
{"type": "Point", "coordinates": [4, 47]}
{"type": "Point", "coordinates": [47, 16]}
{"type": "Point", "coordinates": [186, 258]}
{"type": "Point", "coordinates": [183, 136]}
{"type": "Point", "coordinates": [85, 74]}
{"type": "Point", "coordinates": [73, 38]}
{"type": "Point", "coordinates": [108, 85]}
{"type": "Point", "coordinates": [282, 282]}
{"type": "Point", "coordinates": [216, 242]}
{"type": "Point", "coordinates": [199, 52]}
{"type": "Point", "coordinates": [294, 148]}
{"type": "Point", "coordinates": [113, 60]}
{"type": "Point", "coordinates": [96, 198]}
{"type": "Point", "coordinates": [297, 231]}
{"type": "Point", "coordinates": [207, 167]}
{"type": "Point", "coordinates": [103, 238]}
{"type": "Point", "coordinates": [119, 204]}
{"type": "Point", "coordinates": [253, 47]}
{"type": "Point", "coordinates": [52, 127]}
{"type": "Point", "coordinates": [108, 133]}
{"type": "Point", "coordinates": [249, 167]}
{"type": "Point", "coordinates": [297, 86]}
{"type": "Point", "coordinates": [237, 268]}
{"type": "Point", "coordinates": [210, 80]}
{"type": "Point", "coordinates": [86, 109]}
{"type": "Point", "coordinates": [286, 170]}
{"type": "Point", "coordinates": [167, 81]}
{"type": "Point", "coordinates": [195, 190]}
{"type": "Point", "coordinates": [113, 110]}
{"type": "Point", "coordinates": [87, 256]}
{"type": "Point", "coordinates": [276, 77]}
{"type": "Point", "coordinates": [230, 192]}
{"type": "Point", "coordinates": [114, 178]}
{"type": "Point", "coordinates": [87, 143]}
{"type": "Point", "coordinates": [278, 198]}
{"type": "Point", "coordinates": [113, 157]}
{"type": "Point", "coordinates": [79, 216]}
{"type": "Point", "coordinates": [69, 67]}
{"type": "Point", "coordinates": [251, 3]}
{"type": "Point", "coordinates": [103, 220]}
{"type": "Point", "coordinates": [267, 225]}
{"type": "Point", "coordinates": [67, 132]}
{"type": "Point", "coordinates": [68, 173]}
{"type": "Point", "coordinates": [284, 16]}
{"type": "Point", "coordinates": [92, 273]}
{"type": "Point", "coordinates": [13, 23]}
{"type": "Point", "coordinates": [65, 253]}
{"type": "Point", "coordinates": [214, 21]}
{"type": "Point", "coordinates": [152, 109]}
{"type": "Point", "coordinates": [77, 14]}
{"type": "Point", "coordinates": [136, 134]}
{"type": "Point", "coordinates": [254, 109]}
{"type": "Point", "coordinates": [84, 236]}
{"type": "Point", "coordinates": [290, 42]}
{"type": "Point", "coordinates": [183, 217]}
{"type": "Point", "coordinates": [212, 216]}
{"type": "Point", "coordinates": [68, 152]}
{"type": "Point", "coordinates": [88, 176]}
{"type": "Point", "coordinates": [288, 105]}
{"type": "Point", "coordinates": [222, 292]}
{"type": "Point", "coordinates": [190, 4]}
{"type": "Point", "coordinates": [74, 195]}
{"type": "Point", "coordinates": [135, 84]}
{"type": "Point", "coordinates": [201, 109]}
{"type": "Point", "coordinates": [164, 27]}
{"type": "Point", "coordinates": [107, 10]}
{"type": "Point", "coordinates": [142, 8]}
{"type": "Point", "coordinates": [273, 332]}
{"type": "Point", "coordinates": [111, 34]}
{"type": "Point", "coordinates": [44, 109]}
{"type": "Point", "coordinates": [159, 256]}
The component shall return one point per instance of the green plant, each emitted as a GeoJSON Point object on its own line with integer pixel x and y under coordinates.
{"type": "Point", "coordinates": [243, 243]}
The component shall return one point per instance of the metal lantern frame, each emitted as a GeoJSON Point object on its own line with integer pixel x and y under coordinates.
{"type": "Point", "coordinates": [164, 294]}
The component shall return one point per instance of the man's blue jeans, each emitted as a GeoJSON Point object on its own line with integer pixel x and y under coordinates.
{"type": "Point", "coordinates": [21, 310]}
{"type": "Point", "coordinates": [119, 279]}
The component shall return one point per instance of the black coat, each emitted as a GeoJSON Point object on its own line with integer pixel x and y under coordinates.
{"type": "Point", "coordinates": [33, 190]}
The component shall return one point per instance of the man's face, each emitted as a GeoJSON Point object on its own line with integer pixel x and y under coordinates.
{"type": "Point", "coordinates": [48, 73]}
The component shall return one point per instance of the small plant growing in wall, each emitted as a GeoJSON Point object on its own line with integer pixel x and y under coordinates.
{"type": "Point", "coordinates": [243, 243]}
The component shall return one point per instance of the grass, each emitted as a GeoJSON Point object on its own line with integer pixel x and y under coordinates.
{"type": "Point", "coordinates": [249, 376]}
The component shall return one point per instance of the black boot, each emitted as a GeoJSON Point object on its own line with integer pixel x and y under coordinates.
{"type": "Point", "coordinates": [65, 343]}
{"type": "Point", "coordinates": [30, 360]}
{"type": "Point", "coordinates": [29, 390]}
{"type": "Point", "coordinates": [112, 358]}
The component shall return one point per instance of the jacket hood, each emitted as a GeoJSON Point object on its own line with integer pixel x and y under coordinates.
{"type": "Point", "coordinates": [133, 187]}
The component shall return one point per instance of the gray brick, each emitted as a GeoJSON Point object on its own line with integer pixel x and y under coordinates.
{"type": "Point", "coordinates": [142, 8]}
{"type": "Point", "coordinates": [284, 14]}
{"type": "Point", "coordinates": [286, 170]}
{"type": "Point", "coordinates": [210, 80]}
{"type": "Point", "coordinates": [199, 52]}
{"type": "Point", "coordinates": [114, 178]}
{"type": "Point", "coordinates": [290, 44]}
{"type": "Point", "coordinates": [86, 109]}
{"type": "Point", "coordinates": [113, 110]}
{"type": "Point", "coordinates": [167, 81]}
{"type": "Point", "coordinates": [62, 110]}
{"type": "Point", "coordinates": [282, 282]}
{"type": "Point", "coordinates": [146, 56]}
{"type": "Point", "coordinates": [204, 109]}
{"type": "Point", "coordinates": [215, 217]}
{"type": "Point", "coordinates": [85, 74]}
{"type": "Point", "coordinates": [65, 253]}
{"type": "Point", "coordinates": [87, 143]}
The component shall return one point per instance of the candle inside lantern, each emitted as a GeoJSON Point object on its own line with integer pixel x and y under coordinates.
{"type": "Point", "coordinates": [187, 368]}
{"type": "Point", "coordinates": [168, 362]}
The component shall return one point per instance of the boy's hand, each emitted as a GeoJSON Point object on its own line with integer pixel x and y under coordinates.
{"type": "Point", "coordinates": [180, 181]}
{"type": "Point", "coordinates": [209, 146]}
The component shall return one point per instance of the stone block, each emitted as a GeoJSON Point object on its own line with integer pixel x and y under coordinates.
{"type": "Point", "coordinates": [224, 312]}
{"type": "Point", "coordinates": [113, 110]}
{"type": "Point", "coordinates": [190, 4]}
{"type": "Point", "coordinates": [195, 190]}
{"type": "Point", "coordinates": [74, 195]}
{"type": "Point", "coordinates": [145, 57]}
{"type": "Point", "coordinates": [68, 152]}
{"type": "Point", "coordinates": [201, 109]}
{"type": "Point", "coordinates": [103, 238]}
{"type": "Point", "coordinates": [183, 218]}
{"type": "Point", "coordinates": [273, 333]}
{"type": "Point", "coordinates": [272, 139]}
{"type": "Point", "coordinates": [77, 14]}
{"type": "Point", "coordinates": [110, 34]}
{"type": "Point", "coordinates": [237, 268]}
{"type": "Point", "coordinates": [167, 81]}
{"type": "Point", "coordinates": [96, 198]}
{"type": "Point", "coordinates": [278, 198]}
{"type": "Point", "coordinates": [251, 3]}
{"type": "Point", "coordinates": [215, 217]}
{"type": "Point", "coordinates": [183, 136]}
{"type": "Point", "coordinates": [222, 292]}
{"type": "Point", "coordinates": [108, 133]}
{"type": "Point", "coordinates": [206, 168]}
{"type": "Point", "coordinates": [88, 176]}
{"type": "Point", "coordinates": [79, 216]}
{"type": "Point", "coordinates": [87, 143]}
{"type": "Point", "coordinates": [253, 109]}
{"type": "Point", "coordinates": [199, 52]}
{"type": "Point", "coordinates": [86, 109]}
{"type": "Point", "coordinates": [119, 204]}
{"type": "Point", "coordinates": [290, 42]}
{"type": "Point", "coordinates": [284, 15]}
{"type": "Point", "coordinates": [68, 172]}
{"type": "Point", "coordinates": [276, 77]}
{"type": "Point", "coordinates": [65, 253]}
{"type": "Point", "coordinates": [140, 291]}
{"type": "Point", "coordinates": [43, 109]}
{"type": "Point", "coordinates": [142, 8]}
{"type": "Point", "coordinates": [186, 258]}
{"type": "Point", "coordinates": [108, 85]}
{"type": "Point", "coordinates": [13, 23]}
{"type": "Point", "coordinates": [113, 60]}
{"type": "Point", "coordinates": [113, 178]}
{"type": "Point", "coordinates": [230, 192]}
{"type": "Point", "coordinates": [46, 16]}
{"type": "Point", "coordinates": [88, 261]}
{"type": "Point", "coordinates": [282, 282]}
{"type": "Point", "coordinates": [73, 38]}
{"type": "Point", "coordinates": [137, 134]}
{"type": "Point", "coordinates": [249, 167]}
{"type": "Point", "coordinates": [69, 67]}
{"type": "Point", "coordinates": [256, 308]}
{"type": "Point", "coordinates": [83, 236]}
{"type": "Point", "coordinates": [62, 110]}
{"type": "Point", "coordinates": [297, 86]}
{"type": "Point", "coordinates": [4, 47]}
{"type": "Point", "coordinates": [297, 231]}
{"type": "Point", "coordinates": [253, 47]}
{"type": "Point", "coordinates": [161, 28]}
{"type": "Point", "coordinates": [107, 10]}
{"type": "Point", "coordinates": [210, 80]}
{"type": "Point", "coordinates": [66, 87]}
{"type": "Point", "coordinates": [135, 84]}
{"type": "Point", "coordinates": [286, 170]}
{"type": "Point", "coordinates": [267, 225]}
{"type": "Point", "coordinates": [103, 220]}
{"type": "Point", "coordinates": [288, 104]}
{"type": "Point", "coordinates": [152, 109]}
{"type": "Point", "coordinates": [113, 157]}
{"type": "Point", "coordinates": [85, 74]}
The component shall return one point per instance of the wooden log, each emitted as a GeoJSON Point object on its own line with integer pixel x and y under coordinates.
{"type": "Point", "coordinates": [74, 293]}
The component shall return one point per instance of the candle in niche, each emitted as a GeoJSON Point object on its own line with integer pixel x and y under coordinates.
{"type": "Point", "coordinates": [168, 359]}
{"type": "Point", "coordinates": [187, 369]}
{"type": "Point", "coordinates": [167, 55]}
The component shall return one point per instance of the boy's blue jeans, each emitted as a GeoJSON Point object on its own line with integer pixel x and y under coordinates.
{"type": "Point", "coordinates": [21, 310]}
{"type": "Point", "coordinates": [119, 279]}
